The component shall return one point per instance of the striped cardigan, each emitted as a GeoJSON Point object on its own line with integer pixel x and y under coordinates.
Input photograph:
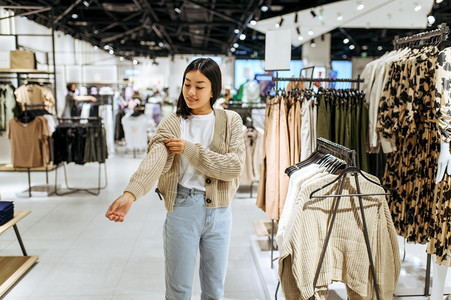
{"type": "Point", "coordinates": [221, 164]}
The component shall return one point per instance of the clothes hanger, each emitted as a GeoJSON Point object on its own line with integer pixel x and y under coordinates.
{"type": "Point", "coordinates": [349, 170]}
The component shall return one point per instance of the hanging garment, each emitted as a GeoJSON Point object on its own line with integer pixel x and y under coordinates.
{"type": "Point", "coordinates": [29, 142]}
{"type": "Point", "coordinates": [35, 94]}
{"type": "Point", "coordinates": [346, 258]}
{"type": "Point", "coordinates": [253, 140]}
{"type": "Point", "coordinates": [7, 105]}
{"type": "Point", "coordinates": [135, 129]}
{"type": "Point", "coordinates": [409, 124]}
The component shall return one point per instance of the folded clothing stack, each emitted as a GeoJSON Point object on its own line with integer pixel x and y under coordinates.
{"type": "Point", "coordinates": [6, 211]}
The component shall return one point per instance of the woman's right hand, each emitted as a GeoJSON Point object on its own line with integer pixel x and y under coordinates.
{"type": "Point", "coordinates": [120, 207]}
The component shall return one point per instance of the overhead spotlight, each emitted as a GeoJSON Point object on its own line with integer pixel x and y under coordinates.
{"type": "Point", "coordinates": [86, 3]}
{"type": "Point", "coordinates": [242, 36]}
{"type": "Point", "coordinates": [310, 32]}
{"type": "Point", "coordinates": [439, 1]}
{"type": "Point", "coordinates": [111, 52]}
{"type": "Point", "coordinates": [418, 7]}
{"type": "Point", "coordinates": [96, 47]}
{"type": "Point", "coordinates": [135, 62]}
{"type": "Point", "coordinates": [364, 47]}
{"type": "Point", "coordinates": [431, 20]}
{"type": "Point", "coordinates": [281, 22]}
{"type": "Point", "coordinates": [352, 47]}
{"type": "Point", "coordinates": [236, 45]}
{"type": "Point", "coordinates": [74, 16]}
{"type": "Point", "coordinates": [298, 30]}
{"type": "Point", "coordinates": [295, 18]}
{"type": "Point", "coordinates": [177, 10]}
{"type": "Point", "coordinates": [313, 13]}
{"type": "Point", "coordinates": [312, 43]}
{"type": "Point", "coordinates": [380, 48]}
{"type": "Point", "coordinates": [253, 22]}
{"type": "Point", "coordinates": [345, 41]}
{"type": "Point", "coordinates": [236, 31]}
{"type": "Point", "coordinates": [232, 49]}
{"type": "Point", "coordinates": [264, 8]}
{"type": "Point", "coordinates": [300, 38]}
{"type": "Point", "coordinates": [360, 6]}
{"type": "Point", "coordinates": [121, 58]}
{"type": "Point", "coordinates": [277, 25]}
{"type": "Point", "coordinates": [339, 17]}
{"type": "Point", "coordinates": [106, 47]}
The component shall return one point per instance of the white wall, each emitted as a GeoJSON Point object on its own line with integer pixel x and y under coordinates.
{"type": "Point", "coordinates": [318, 56]}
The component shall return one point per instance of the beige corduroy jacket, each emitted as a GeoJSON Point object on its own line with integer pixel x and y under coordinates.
{"type": "Point", "coordinates": [222, 164]}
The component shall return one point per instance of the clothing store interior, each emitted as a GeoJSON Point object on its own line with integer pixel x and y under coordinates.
{"type": "Point", "coordinates": [337, 199]}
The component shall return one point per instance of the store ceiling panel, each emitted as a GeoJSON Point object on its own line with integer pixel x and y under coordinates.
{"type": "Point", "coordinates": [167, 27]}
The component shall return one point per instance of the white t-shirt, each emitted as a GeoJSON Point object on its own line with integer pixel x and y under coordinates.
{"type": "Point", "coordinates": [196, 129]}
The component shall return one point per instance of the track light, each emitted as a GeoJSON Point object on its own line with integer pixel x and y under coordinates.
{"type": "Point", "coordinates": [313, 13]}
{"type": "Point", "coordinates": [295, 18]}
{"type": "Point", "coordinates": [339, 17]}
{"type": "Point", "coordinates": [298, 30]}
{"type": "Point", "coordinates": [281, 22]}
{"type": "Point", "coordinates": [177, 10]}
{"type": "Point", "coordinates": [312, 43]}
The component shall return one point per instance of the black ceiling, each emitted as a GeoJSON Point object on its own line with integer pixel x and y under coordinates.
{"type": "Point", "coordinates": [167, 27]}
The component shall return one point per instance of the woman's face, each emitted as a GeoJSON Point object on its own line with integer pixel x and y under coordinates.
{"type": "Point", "coordinates": [197, 92]}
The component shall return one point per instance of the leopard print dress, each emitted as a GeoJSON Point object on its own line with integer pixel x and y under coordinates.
{"type": "Point", "coordinates": [409, 114]}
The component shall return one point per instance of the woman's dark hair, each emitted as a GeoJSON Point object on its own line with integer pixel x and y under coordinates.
{"type": "Point", "coordinates": [211, 70]}
{"type": "Point", "coordinates": [69, 86]}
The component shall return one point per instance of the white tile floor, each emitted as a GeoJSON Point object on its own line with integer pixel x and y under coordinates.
{"type": "Point", "coordinates": [84, 256]}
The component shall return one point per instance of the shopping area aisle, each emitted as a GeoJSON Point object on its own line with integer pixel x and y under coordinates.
{"type": "Point", "coordinates": [82, 255]}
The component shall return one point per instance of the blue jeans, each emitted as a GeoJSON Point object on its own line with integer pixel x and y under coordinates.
{"type": "Point", "coordinates": [191, 227]}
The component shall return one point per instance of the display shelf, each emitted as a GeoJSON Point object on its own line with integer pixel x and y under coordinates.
{"type": "Point", "coordinates": [12, 268]}
{"type": "Point", "coordinates": [24, 71]}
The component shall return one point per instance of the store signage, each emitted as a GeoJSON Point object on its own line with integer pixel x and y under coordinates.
{"type": "Point", "coordinates": [132, 72]}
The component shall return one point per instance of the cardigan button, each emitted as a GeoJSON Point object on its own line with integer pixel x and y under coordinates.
{"type": "Point", "coordinates": [208, 180]}
{"type": "Point", "coordinates": [208, 200]}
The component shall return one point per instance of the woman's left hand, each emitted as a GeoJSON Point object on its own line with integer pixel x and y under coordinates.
{"type": "Point", "coordinates": [176, 146]}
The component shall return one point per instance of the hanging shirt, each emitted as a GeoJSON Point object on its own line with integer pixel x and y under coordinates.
{"type": "Point", "coordinates": [195, 129]}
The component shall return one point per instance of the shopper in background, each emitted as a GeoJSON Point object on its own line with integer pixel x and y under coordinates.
{"type": "Point", "coordinates": [197, 156]}
{"type": "Point", "coordinates": [73, 107]}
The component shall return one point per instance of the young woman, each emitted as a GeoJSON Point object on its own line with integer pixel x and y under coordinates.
{"type": "Point", "coordinates": [197, 156]}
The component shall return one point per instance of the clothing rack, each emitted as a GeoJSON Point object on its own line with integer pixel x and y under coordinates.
{"type": "Point", "coordinates": [420, 39]}
{"type": "Point", "coordinates": [348, 156]}
{"type": "Point", "coordinates": [357, 80]}
{"type": "Point", "coordinates": [440, 34]}
{"type": "Point", "coordinates": [88, 121]}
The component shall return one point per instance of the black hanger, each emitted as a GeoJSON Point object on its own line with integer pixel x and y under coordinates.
{"type": "Point", "coordinates": [347, 171]}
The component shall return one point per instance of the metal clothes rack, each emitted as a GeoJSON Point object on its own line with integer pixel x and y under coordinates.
{"type": "Point", "coordinates": [68, 122]}
{"type": "Point", "coordinates": [357, 80]}
{"type": "Point", "coordinates": [423, 38]}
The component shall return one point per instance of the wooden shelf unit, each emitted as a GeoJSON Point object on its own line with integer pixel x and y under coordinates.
{"type": "Point", "coordinates": [12, 268]}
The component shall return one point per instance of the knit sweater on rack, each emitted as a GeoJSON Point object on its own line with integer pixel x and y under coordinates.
{"type": "Point", "coordinates": [346, 258]}
{"type": "Point", "coordinates": [221, 164]}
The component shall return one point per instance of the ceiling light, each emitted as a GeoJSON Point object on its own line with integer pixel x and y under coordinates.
{"type": "Point", "coordinates": [339, 17]}
{"type": "Point", "coordinates": [236, 31]}
{"type": "Point", "coordinates": [86, 3]}
{"type": "Point", "coordinates": [298, 30]}
{"type": "Point", "coordinates": [236, 45]}
{"type": "Point", "coordinates": [345, 41]}
{"type": "Point", "coordinates": [312, 44]}
{"type": "Point", "coordinates": [264, 8]}
{"type": "Point", "coordinates": [135, 62]}
{"type": "Point", "coordinates": [418, 7]}
{"type": "Point", "coordinates": [177, 10]}
{"type": "Point", "coordinates": [364, 47]}
{"type": "Point", "coordinates": [312, 12]}
{"type": "Point", "coordinates": [310, 32]}
{"type": "Point", "coordinates": [253, 22]}
{"type": "Point", "coordinates": [232, 49]}
{"type": "Point", "coordinates": [74, 16]}
{"type": "Point", "coordinates": [161, 44]}
{"type": "Point", "coordinates": [242, 36]}
{"type": "Point", "coordinates": [352, 47]}
{"type": "Point", "coordinates": [121, 58]}
{"type": "Point", "coordinates": [106, 47]}
{"type": "Point", "coordinates": [439, 1]}
{"type": "Point", "coordinates": [360, 6]}
{"type": "Point", "coordinates": [277, 25]}
{"type": "Point", "coordinates": [380, 48]}
{"type": "Point", "coordinates": [111, 51]}
{"type": "Point", "coordinates": [300, 38]}
{"type": "Point", "coordinates": [95, 47]}
{"type": "Point", "coordinates": [431, 20]}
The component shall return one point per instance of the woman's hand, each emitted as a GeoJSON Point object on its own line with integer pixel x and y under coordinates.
{"type": "Point", "coordinates": [120, 207]}
{"type": "Point", "coordinates": [176, 146]}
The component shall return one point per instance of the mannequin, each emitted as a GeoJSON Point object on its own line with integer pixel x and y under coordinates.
{"type": "Point", "coordinates": [439, 271]}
